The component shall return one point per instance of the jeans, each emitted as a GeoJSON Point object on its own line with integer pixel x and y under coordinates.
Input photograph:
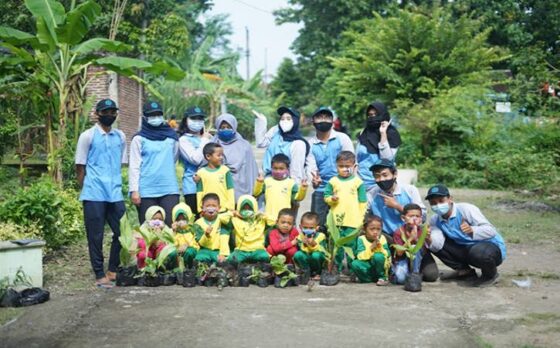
{"type": "Point", "coordinates": [167, 202]}
{"type": "Point", "coordinates": [319, 206]}
{"type": "Point", "coordinates": [483, 255]}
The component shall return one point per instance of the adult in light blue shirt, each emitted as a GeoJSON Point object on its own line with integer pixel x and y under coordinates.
{"type": "Point", "coordinates": [152, 178]}
{"type": "Point", "coordinates": [100, 153]}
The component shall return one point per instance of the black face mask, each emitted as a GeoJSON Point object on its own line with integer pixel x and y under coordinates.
{"type": "Point", "coordinates": [373, 123]}
{"type": "Point", "coordinates": [107, 121]}
{"type": "Point", "coordinates": [323, 126]}
{"type": "Point", "coordinates": [386, 185]}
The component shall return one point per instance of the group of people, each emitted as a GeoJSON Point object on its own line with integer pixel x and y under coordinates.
{"type": "Point", "coordinates": [235, 212]}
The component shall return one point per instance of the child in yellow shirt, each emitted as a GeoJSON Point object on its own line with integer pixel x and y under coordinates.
{"type": "Point", "coordinates": [373, 258]}
{"type": "Point", "coordinates": [312, 245]}
{"type": "Point", "coordinates": [346, 196]}
{"type": "Point", "coordinates": [279, 189]}
{"type": "Point", "coordinates": [215, 177]}
{"type": "Point", "coordinates": [211, 231]}
{"type": "Point", "coordinates": [185, 241]}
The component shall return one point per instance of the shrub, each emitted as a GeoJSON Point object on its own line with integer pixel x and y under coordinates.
{"type": "Point", "coordinates": [44, 206]}
{"type": "Point", "coordinates": [11, 231]}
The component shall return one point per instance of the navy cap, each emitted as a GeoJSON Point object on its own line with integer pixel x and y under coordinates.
{"type": "Point", "coordinates": [438, 190]}
{"type": "Point", "coordinates": [194, 111]}
{"type": "Point", "coordinates": [152, 108]}
{"type": "Point", "coordinates": [382, 163]}
{"type": "Point", "coordinates": [106, 104]}
{"type": "Point", "coordinates": [323, 110]}
{"type": "Point", "coordinates": [283, 109]}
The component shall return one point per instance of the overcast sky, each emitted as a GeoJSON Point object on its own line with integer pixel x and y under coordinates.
{"type": "Point", "coordinates": [264, 34]}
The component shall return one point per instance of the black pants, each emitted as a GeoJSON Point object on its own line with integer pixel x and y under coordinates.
{"type": "Point", "coordinates": [319, 206]}
{"type": "Point", "coordinates": [95, 216]}
{"type": "Point", "coordinates": [167, 202]}
{"type": "Point", "coordinates": [190, 200]}
{"type": "Point", "coordinates": [483, 255]}
{"type": "Point", "coordinates": [428, 267]}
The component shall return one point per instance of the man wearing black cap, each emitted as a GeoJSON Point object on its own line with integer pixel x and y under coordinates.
{"type": "Point", "coordinates": [462, 237]}
{"type": "Point", "coordinates": [100, 152]}
{"type": "Point", "coordinates": [321, 162]}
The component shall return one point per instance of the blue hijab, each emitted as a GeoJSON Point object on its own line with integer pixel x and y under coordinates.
{"type": "Point", "coordinates": [158, 133]}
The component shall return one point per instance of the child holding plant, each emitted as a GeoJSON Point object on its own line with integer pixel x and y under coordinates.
{"type": "Point", "coordinates": [249, 228]}
{"type": "Point", "coordinates": [283, 239]}
{"type": "Point", "coordinates": [346, 196]}
{"type": "Point", "coordinates": [279, 189]}
{"type": "Point", "coordinates": [150, 244]}
{"type": "Point", "coordinates": [408, 235]}
{"type": "Point", "coordinates": [212, 231]}
{"type": "Point", "coordinates": [373, 257]}
{"type": "Point", "coordinates": [186, 244]}
{"type": "Point", "coordinates": [215, 177]}
{"type": "Point", "coordinates": [312, 244]}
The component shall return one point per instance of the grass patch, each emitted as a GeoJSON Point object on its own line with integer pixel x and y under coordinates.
{"type": "Point", "coordinates": [7, 314]}
{"type": "Point", "coordinates": [537, 318]}
{"type": "Point", "coordinates": [542, 275]}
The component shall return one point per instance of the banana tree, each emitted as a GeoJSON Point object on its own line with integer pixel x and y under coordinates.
{"type": "Point", "coordinates": [58, 57]}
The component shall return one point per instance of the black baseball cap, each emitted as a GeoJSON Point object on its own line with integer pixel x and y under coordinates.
{"type": "Point", "coordinates": [106, 104]}
{"type": "Point", "coordinates": [283, 109]}
{"type": "Point", "coordinates": [194, 111]}
{"type": "Point", "coordinates": [323, 110]}
{"type": "Point", "coordinates": [152, 108]}
{"type": "Point", "coordinates": [438, 190]}
{"type": "Point", "coordinates": [382, 163]}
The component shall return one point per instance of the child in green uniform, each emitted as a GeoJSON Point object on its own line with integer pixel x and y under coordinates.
{"type": "Point", "coordinates": [373, 258]}
{"type": "Point", "coordinates": [312, 245]}
{"type": "Point", "coordinates": [249, 228]}
{"type": "Point", "coordinates": [211, 231]}
{"type": "Point", "coordinates": [346, 196]}
{"type": "Point", "coordinates": [185, 241]}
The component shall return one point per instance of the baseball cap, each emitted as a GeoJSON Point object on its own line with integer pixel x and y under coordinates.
{"type": "Point", "coordinates": [152, 108]}
{"type": "Point", "coordinates": [106, 104]}
{"type": "Point", "coordinates": [382, 163]}
{"type": "Point", "coordinates": [438, 190]}
{"type": "Point", "coordinates": [194, 111]}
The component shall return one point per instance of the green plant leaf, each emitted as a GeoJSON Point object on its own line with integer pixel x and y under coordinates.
{"type": "Point", "coordinates": [16, 37]}
{"type": "Point", "coordinates": [344, 240]}
{"type": "Point", "coordinates": [51, 11]}
{"type": "Point", "coordinates": [170, 72]}
{"type": "Point", "coordinates": [78, 22]}
{"type": "Point", "coordinates": [46, 35]}
{"type": "Point", "coordinates": [421, 240]}
{"type": "Point", "coordinates": [349, 251]}
{"type": "Point", "coordinates": [164, 254]}
{"type": "Point", "coordinates": [101, 44]}
{"type": "Point", "coordinates": [123, 65]}
{"type": "Point", "coordinates": [398, 247]}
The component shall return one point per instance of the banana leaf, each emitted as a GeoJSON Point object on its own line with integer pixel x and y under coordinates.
{"type": "Point", "coordinates": [344, 240]}
{"type": "Point", "coordinates": [331, 227]}
{"type": "Point", "coordinates": [349, 251]}
{"type": "Point", "coordinates": [164, 254]}
{"type": "Point", "coordinates": [421, 240]}
{"type": "Point", "coordinates": [285, 279]}
{"type": "Point", "coordinates": [399, 247]}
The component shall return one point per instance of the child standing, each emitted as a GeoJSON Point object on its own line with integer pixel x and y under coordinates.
{"type": "Point", "coordinates": [279, 189]}
{"type": "Point", "coordinates": [211, 231]}
{"type": "Point", "coordinates": [152, 229]}
{"type": "Point", "coordinates": [215, 177]}
{"type": "Point", "coordinates": [283, 239]}
{"type": "Point", "coordinates": [346, 196]}
{"type": "Point", "coordinates": [312, 244]}
{"type": "Point", "coordinates": [249, 228]}
{"type": "Point", "coordinates": [407, 235]}
{"type": "Point", "coordinates": [373, 258]}
{"type": "Point", "coordinates": [186, 244]}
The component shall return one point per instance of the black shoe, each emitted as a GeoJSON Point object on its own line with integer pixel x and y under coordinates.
{"type": "Point", "coordinates": [460, 274]}
{"type": "Point", "coordinates": [485, 282]}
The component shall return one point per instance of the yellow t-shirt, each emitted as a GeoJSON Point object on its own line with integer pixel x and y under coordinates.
{"type": "Point", "coordinates": [364, 252]}
{"type": "Point", "coordinates": [186, 238]}
{"type": "Point", "coordinates": [218, 181]}
{"type": "Point", "coordinates": [278, 194]}
{"type": "Point", "coordinates": [352, 200]}
{"type": "Point", "coordinates": [219, 237]}
{"type": "Point", "coordinates": [319, 238]}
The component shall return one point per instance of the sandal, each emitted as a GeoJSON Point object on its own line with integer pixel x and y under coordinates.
{"type": "Point", "coordinates": [111, 276]}
{"type": "Point", "coordinates": [382, 282]}
{"type": "Point", "coordinates": [104, 283]}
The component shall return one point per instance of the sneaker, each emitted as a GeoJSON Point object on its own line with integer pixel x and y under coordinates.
{"type": "Point", "coordinates": [382, 282]}
{"type": "Point", "coordinates": [466, 273]}
{"type": "Point", "coordinates": [484, 282]}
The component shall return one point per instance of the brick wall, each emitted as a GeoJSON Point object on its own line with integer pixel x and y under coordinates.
{"type": "Point", "coordinates": [126, 98]}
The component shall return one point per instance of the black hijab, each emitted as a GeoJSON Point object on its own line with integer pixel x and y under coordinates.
{"type": "Point", "coordinates": [370, 135]}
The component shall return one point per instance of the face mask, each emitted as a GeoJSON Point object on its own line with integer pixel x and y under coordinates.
{"type": "Point", "coordinates": [373, 123]}
{"type": "Point", "coordinates": [181, 223]}
{"type": "Point", "coordinates": [286, 125]}
{"type": "Point", "coordinates": [196, 125]}
{"type": "Point", "coordinates": [279, 174]}
{"type": "Point", "coordinates": [210, 210]}
{"type": "Point", "coordinates": [155, 223]}
{"type": "Point", "coordinates": [226, 134]}
{"type": "Point", "coordinates": [348, 171]}
{"type": "Point", "coordinates": [155, 121]}
{"type": "Point", "coordinates": [308, 232]}
{"type": "Point", "coordinates": [107, 121]}
{"type": "Point", "coordinates": [386, 185]}
{"type": "Point", "coordinates": [323, 126]}
{"type": "Point", "coordinates": [441, 208]}
{"type": "Point", "coordinates": [247, 213]}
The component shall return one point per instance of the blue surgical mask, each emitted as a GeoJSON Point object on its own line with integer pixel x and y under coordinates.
{"type": "Point", "coordinates": [440, 209]}
{"type": "Point", "coordinates": [308, 232]}
{"type": "Point", "coordinates": [196, 125]}
{"type": "Point", "coordinates": [226, 134]}
{"type": "Point", "coordinates": [155, 121]}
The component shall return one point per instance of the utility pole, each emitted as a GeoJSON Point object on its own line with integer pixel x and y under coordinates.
{"type": "Point", "coordinates": [247, 52]}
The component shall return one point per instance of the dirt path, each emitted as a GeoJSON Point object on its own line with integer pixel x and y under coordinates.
{"type": "Point", "coordinates": [443, 314]}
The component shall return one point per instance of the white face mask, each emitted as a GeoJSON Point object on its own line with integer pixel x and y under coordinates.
{"type": "Point", "coordinates": [286, 125]}
{"type": "Point", "coordinates": [155, 121]}
{"type": "Point", "coordinates": [196, 125]}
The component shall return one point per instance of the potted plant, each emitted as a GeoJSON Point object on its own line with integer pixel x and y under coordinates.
{"type": "Point", "coordinates": [126, 273]}
{"type": "Point", "coordinates": [413, 280]}
{"type": "Point", "coordinates": [330, 276]}
{"type": "Point", "coordinates": [284, 275]}
{"type": "Point", "coordinates": [149, 275]}
{"type": "Point", "coordinates": [259, 277]}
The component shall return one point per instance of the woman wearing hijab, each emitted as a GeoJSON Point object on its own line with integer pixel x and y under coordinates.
{"type": "Point", "coordinates": [238, 154]}
{"type": "Point", "coordinates": [152, 179]}
{"type": "Point", "coordinates": [378, 140]}
{"type": "Point", "coordinates": [191, 143]}
{"type": "Point", "coordinates": [284, 138]}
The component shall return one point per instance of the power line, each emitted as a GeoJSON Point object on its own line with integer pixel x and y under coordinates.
{"type": "Point", "coordinates": [254, 7]}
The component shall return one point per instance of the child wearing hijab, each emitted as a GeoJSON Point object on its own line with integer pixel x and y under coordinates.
{"type": "Point", "coordinates": [152, 229]}
{"type": "Point", "coordinates": [183, 220]}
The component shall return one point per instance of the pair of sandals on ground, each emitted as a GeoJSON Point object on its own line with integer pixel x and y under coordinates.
{"type": "Point", "coordinates": [108, 281]}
